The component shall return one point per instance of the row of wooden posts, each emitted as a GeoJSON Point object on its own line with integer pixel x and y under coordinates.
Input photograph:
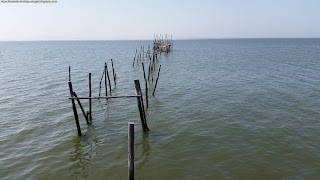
{"type": "Point", "coordinates": [88, 114]}
{"type": "Point", "coordinates": [153, 58]}
{"type": "Point", "coordinates": [158, 42]}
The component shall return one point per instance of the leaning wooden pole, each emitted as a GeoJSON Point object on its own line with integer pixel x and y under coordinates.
{"type": "Point", "coordinates": [74, 109]}
{"type": "Point", "coordinates": [131, 150]}
{"type": "Point", "coordinates": [154, 90]}
{"type": "Point", "coordinates": [108, 77]}
{"type": "Point", "coordinates": [146, 85]}
{"type": "Point", "coordinates": [83, 112]}
{"type": "Point", "coordinates": [114, 74]}
{"type": "Point", "coordinates": [141, 106]}
{"type": "Point", "coordinates": [100, 82]}
{"type": "Point", "coordinates": [90, 103]}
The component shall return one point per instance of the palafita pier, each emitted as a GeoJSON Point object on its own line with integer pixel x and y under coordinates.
{"type": "Point", "coordinates": [161, 44]}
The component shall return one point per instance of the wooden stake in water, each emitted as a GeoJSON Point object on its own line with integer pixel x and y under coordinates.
{"type": "Point", "coordinates": [146, 84]}
{"type": "Point", "coordinates": [140, 52]}
{"type": "Point", "coordinates": [141, 106]}
{"type": "Point", "coordinates": [105, 78]}
{"type": "Point", "coordinates": [131, 150]}
{"type": "Point", "coordinates": [90, 104]}
{"type": "Point", "coordinates": [108, 76]}
{"type": "Point", "coordinates": [69, 73]}
{"type": "Point", "coordinates": [154, 90]}
{"type": "Point", "coordinates": [149, 71]}
{"type": "Point", "coordinates": [114, 74]}
{"type": "Point", "coordinates": [100, 82]}
{"type": "Point", "coordinates": [134, 57]}
{"type": "Point", "coordinates": [75, 113]}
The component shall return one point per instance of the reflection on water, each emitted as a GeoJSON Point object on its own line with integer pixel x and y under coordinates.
{"type": "Point", "coordinates": [83, 154]}
{"type": "Point", "coordinates": [145, 151]}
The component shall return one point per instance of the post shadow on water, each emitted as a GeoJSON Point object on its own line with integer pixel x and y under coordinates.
{"type": "Point", "coordinates": [83, 154]}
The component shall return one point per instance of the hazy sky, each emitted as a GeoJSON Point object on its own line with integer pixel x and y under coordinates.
{"type": "Point", "coordinates": [141, 19]}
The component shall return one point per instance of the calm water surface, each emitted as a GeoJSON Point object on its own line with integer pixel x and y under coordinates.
{"type": "Point", "coordinates": [223, 109]}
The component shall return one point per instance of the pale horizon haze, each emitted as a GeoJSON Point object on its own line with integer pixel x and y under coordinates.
{"type": "Point", "coordinates": [140, 20]}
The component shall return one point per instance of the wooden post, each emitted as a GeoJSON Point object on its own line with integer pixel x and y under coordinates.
{"type": "Point", "coordinates": [100, 82]}
{"type": "Point", "coordinates": [84, 113]}
{"type": "Point", "coordinates": [74, 109]}
{"type": "Point", "coordinates": [152, 77]}
{"type": "Point", "coordinates": [69, 73]}
{"type": "Point", "coordinates": [90, 104]}
{"type": "Point", "coordinates": [105, 79]}
{"type": "Point", "coordinates": [114, 74]}
{"type": "Point", "coordinates": [88, 114]}
{"type": "Point", "coordinates": [149, 69]}
{"type": "Point", "coordinates": [145, 81]}
{"type": "Point", "coordinates": [140, 52]}
{"type": "Point", "coordinates": [153, 60]}
{"type": "Point", "coordinates": [134, 57]}
{"type": "Point", "coordinates": [154, 90]}
{"type": "Point", "coordinates": [108, 76]}
{"type": "Point", "coordinates": [152, 70]}
{"type": "Point", "coordinates": [131, 150]}
{"type": "Point", "coordinates": [141, 106]}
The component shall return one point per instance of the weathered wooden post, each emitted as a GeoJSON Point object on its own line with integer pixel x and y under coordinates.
{"type": "Point", "coordinates": [114, 74]}
{"type": "Point", "coordinates": [152, 77]}
{"type": "Point", "coordinates": [88, 115]}
{"type": "Point", "coordinates": [105, 79]}
{"type": "Point", "coordinates": [149, 71]}
{"type": "Point", "coordinates": [131, 150]}
{"type": "Point", "coordinates": [154, 90]}
{"type": "Point", "coordinates": [108, 76]}
{"type": "Point", "coordinates": [69, 73]}
{"type": "Point", "coordinates": [140, 52]}
{"type": "Point", "coordinates": [74, 108]}
{"type": "Point", "coordinates": [141, 106]}
{"type": "Point", "coordinates": [146, 84]}
{"type": "Point", "coordinates": [134, 57]}
{"type": "Point", "coordinates": [100, 82]}
{"type": "Point", "coordinates": [90, 104]}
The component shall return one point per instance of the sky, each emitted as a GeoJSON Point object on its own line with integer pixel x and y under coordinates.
{"type": "Point", "coordinates": [141, 19]}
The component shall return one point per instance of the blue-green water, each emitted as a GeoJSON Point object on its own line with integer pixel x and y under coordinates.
{"type": "Point", "coordinates": [223, 109]}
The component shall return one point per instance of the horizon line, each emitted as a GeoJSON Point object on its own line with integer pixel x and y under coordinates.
{"type": "Point", "coordinates": [153, 39]}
